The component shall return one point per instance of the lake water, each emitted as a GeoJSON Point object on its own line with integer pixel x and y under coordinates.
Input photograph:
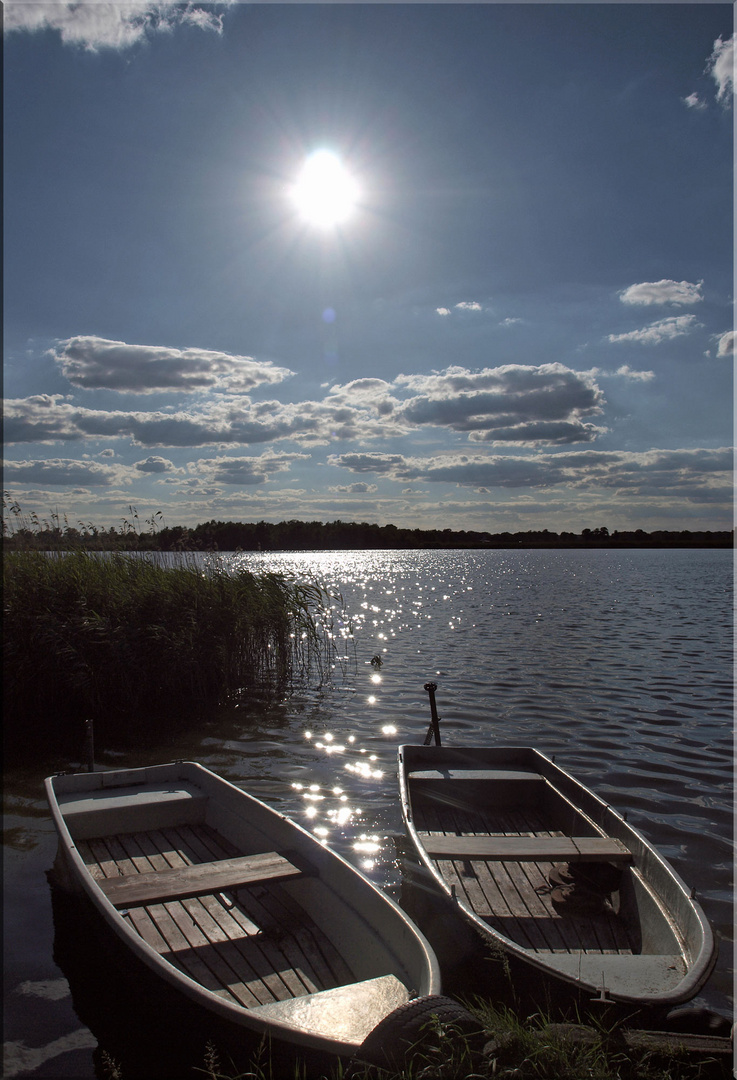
{"type": "Point", "coordinates": [617, 662]}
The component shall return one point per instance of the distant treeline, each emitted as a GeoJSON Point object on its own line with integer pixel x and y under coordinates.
{"type": "Point", "coordinates": [337, 535]}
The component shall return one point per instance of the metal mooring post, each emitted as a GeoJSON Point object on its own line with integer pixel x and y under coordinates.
{"type": "Point", "coordinates": [434, 729]}
{"type": "Point", "coordinates": [89, 745]}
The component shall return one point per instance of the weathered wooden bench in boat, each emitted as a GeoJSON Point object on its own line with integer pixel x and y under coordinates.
{"type": "Point", "coordinates": [492, 825]}
{"type": "Point", "coordinates": [528, 848]}
{"type": "Point", "coordinates": [160, 886]}
{"type": "Point", "coordinates": [238, 908]}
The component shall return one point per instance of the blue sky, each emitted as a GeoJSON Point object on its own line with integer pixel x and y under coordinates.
{"type": "Point", "coordinates": [526, 321]}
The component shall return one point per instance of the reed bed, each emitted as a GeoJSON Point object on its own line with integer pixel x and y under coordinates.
{"type": "Point", "coordinates": [90, 635]}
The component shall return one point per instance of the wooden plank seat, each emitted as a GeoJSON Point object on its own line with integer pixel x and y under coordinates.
{"type": "Point", "coordinates": [476, 774]}
{"type": "Point", "coordinates": [201, 879]}
{"type": "Point", "coordinates": [528, 848]}
{"type": "Point", "coordinates": [131, 808]}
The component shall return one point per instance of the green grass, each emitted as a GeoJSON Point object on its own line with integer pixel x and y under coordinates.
{"type": "Point", "coordinates": [515, 1049]}
{"type": "Point", "coordinates": [89, 635]}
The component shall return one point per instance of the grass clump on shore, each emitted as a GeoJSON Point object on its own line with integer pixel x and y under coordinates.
{"type": "Point", "coordinates": [91, 635]}
{"type": "Point", "coordinates": [513, 1049]}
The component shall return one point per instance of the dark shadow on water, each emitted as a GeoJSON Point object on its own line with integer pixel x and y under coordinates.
{"type": "Point", "coordinates": [172, 734]}
{"type": "Point", "coordinates": [121, 1008]}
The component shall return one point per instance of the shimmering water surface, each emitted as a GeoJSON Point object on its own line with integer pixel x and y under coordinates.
{"type": "Point", "coordinates": [618, 662]}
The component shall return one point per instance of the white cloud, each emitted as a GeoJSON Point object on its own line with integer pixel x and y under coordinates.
{"type": "Point", "coordinates": [97, 25]}
{"type": "Point", "coordinates": [154, 465]}
{"type": "Point", "coordinates": [626, 372]}
{"type": "Point", "coordinates": [95, 363]}
{"type": "Point", "coordinates": [726, 344]}
{"type": "Point", "coordinates": [353, 489]}
{"type": "Point", "coordinates": [514, 403]}
{"type": "Point", "coordinates": [368, 393]}
{"type": "Point", "coordinates": [203, 19]}
{"type": "Point", "coordinates": [244, 471]}
{"type": "Point", "coordinates": [663, 292]}
{"type": "Point", "coordinates": [462, 305]}
{"type": "Point", "coordinates": [664, 330]}
{"type": "Point", "coordinates": [721, 68]}
{"type": "Point", "coordinates": [694, 102]}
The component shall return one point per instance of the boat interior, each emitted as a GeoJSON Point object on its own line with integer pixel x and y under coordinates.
{"type": "Point", "coordinates": [250, 945]}
{"type": "Point", "coordinates": [495, 838]}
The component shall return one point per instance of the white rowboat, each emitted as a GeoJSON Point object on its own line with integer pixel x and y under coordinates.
{"type": "Point", "coordinates": [238, 908]}
{"type": "Point", "coordinates": [491, 825]}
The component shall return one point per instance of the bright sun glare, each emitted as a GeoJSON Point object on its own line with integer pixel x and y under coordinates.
{"type": "Point", "coordinates": [325, 193]}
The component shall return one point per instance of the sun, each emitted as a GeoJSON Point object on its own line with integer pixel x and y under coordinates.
{"type": "Point", "coordinates": [324, 193]}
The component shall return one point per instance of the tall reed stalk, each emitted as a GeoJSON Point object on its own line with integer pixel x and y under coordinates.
{"type": "Point", "coordinates": [87, 634]}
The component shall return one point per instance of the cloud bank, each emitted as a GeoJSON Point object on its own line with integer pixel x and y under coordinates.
{"type": "Point", "coordinates": [698, 475]}
{"type": "Point", "coordinates": [64, 472]}
{"type": "Point", "coordinates": [516, 404]}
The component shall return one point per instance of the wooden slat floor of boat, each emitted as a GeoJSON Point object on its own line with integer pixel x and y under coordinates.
{"type": "Point", "coordinates": [514, 897]}
{"type": "Point", "coordinates": [252, 945]}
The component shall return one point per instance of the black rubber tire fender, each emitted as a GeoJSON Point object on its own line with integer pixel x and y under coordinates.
{"type": "Point", "coordinates": [698, 1020]}
{"type": "Point", "coordinates": [411, 1024]}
